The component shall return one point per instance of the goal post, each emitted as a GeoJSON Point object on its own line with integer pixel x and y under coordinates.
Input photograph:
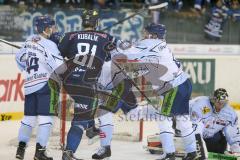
{"type": "Point", "coordinates": [124, 128]}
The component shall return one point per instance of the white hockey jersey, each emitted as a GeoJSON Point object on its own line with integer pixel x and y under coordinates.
{"type": "Point", "coordinates": [38, 58]}
{"type": "Point", "coordinates": [110, 76]}
{"type": "Point", "coordinates": [156, 62]}
{"type": "Point", "coordinates": [209, 122]}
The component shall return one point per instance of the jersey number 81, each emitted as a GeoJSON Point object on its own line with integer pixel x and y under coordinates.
{"type": "Point", "coordinates": [88, 52]}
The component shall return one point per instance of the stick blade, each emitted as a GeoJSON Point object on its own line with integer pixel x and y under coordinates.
{"type": "Point", "coordinates": [158, 6]}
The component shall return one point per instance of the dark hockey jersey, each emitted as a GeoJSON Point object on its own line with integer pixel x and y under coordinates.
{"type": "Point", "coordinates": [86, 51]}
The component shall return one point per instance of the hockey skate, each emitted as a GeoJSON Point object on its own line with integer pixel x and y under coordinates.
{"type": "Point", "coordinates": [103, 153]}
{"type": "Point", "coordinates": [191, 156]}
{"type": "Point", "coordinates": [168, 156]}
{"type": "Point", "coordinates": [92, 134]}
{"type": "Point", "coordinates": [68, 155]}
{"type": "Point", "coordinates": [21, 150]}
{"type": "Point", "coordinates": [40, 153]}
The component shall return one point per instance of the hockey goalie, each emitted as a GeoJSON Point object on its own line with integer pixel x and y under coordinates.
{"type": "Point", "coordinates": [216, 122]}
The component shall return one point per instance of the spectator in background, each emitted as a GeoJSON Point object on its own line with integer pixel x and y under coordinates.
{"type": "Point", "coordinates": [106, 4]}
{"type": "Point", "coordinates": [214, 28]}
{"type": "Point", "coordinates": [173, 5]}
{"type": "Point", "coordinates": [235, 10]}
{"type": "Point", "coordinates": [198, 4]}
{"type": "Point", "coordinates": [73, 1]}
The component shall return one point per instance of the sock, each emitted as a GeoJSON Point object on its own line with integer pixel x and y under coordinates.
{"type": "Point", "coordinates": [43, 133]}
{"type": "Point", "coordinates": [24, 133]}
{"type": "Point", "coordinates": [106, 133]}
{"type": "Point", "coordinates": [74, 137]}
{"type": "Point", "coordinates": [184, 124]}
{"type": "Point", "coordinates": [167, 142]}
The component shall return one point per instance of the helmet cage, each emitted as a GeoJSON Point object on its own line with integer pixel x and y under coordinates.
{"type": "Point", "coordinates": [219, 96]}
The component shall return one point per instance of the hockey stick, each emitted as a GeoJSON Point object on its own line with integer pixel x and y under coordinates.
{"type": "Point", "coordinates": [135, 85]}
{"type": "Point", "coordinates": [151, 7]}
{"type": "Point", "coordinates": [18, 47]}
{"type": "Point", "coordinates": [10, 44]}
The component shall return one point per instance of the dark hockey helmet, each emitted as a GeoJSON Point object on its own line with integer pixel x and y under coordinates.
{"type": "Point", "coordinates": [220, 95]}
{"type": "Point", "coordinates": [42, 22]}
{"type": "Point", "coordinates": [156, 29]}
{"type": "Point", "coordinates": [90, 18]}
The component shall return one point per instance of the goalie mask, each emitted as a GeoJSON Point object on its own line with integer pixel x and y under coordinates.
{"type": "Point", "coordinates": [219, 99]}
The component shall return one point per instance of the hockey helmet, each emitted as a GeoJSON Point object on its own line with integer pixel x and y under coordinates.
{"type": "Point", "coordinates": [219, 99]}
{"type": "Point", "coordinates": [156, 29]}
{"type": "Point", "coordinates": [220, 95]}
{"type": "Point", "coordinates": [42, 22]}
{"type": "Point", "coordinates": [90, 18]}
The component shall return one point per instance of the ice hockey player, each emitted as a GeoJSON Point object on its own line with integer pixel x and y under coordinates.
{"type": "Point", "coordinates": [87, 51]}
{"type": "Point", "coordinates": [216, 121]}
{"type": "Point", "coordinates": [159, 67]}
{"type": "Point", "coordinates": [37, 59]}
{"type": "Point", "coordinates": [122, 97]}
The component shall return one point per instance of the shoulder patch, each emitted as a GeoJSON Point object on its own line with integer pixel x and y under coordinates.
{"type": "Point", "coordinates": [205, 110]}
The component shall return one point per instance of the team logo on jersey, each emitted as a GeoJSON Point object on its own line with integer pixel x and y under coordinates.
{"type": "Point", "coordinates": [205, 110]}
{"type": "Point", "coordinates": [36, 38]}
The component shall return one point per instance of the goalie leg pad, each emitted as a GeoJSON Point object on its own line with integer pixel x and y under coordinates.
{"type": "Point", "coordinates": [201, 147]}
{"type": "Point", "coordinates": [166, 134]}
{"type": "Point", "coordinates": [25, 131]}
